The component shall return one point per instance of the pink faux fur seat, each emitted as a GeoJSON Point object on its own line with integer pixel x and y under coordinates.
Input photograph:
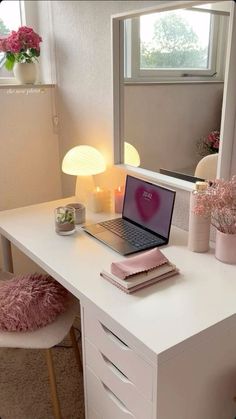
{"type": "Point", "coordinates": [29, 302]}
{"type": "Point", "coordinates": [36, 301]}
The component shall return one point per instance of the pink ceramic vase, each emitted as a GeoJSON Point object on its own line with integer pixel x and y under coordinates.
{"type": "Point", "coordinates": [225, 247]}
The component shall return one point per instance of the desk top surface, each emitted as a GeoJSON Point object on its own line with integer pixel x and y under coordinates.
{"type": "Point", "coordinates": [160, 316]}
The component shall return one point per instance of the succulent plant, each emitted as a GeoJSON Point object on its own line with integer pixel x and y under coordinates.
{"type": "Point", "coordinates": [65, 216]}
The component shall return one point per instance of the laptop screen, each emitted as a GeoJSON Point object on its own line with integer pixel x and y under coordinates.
{"type": "Point", "coordinates": [148, 205]}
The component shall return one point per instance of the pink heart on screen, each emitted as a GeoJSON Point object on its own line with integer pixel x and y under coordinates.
{"type": "Point", "coordinates": [147, 202]}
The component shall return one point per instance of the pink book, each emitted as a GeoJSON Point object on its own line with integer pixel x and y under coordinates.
{"type": "Point", "coordinates": [144, 262]}
{"type": "Point", "coordinates": [142, 285]}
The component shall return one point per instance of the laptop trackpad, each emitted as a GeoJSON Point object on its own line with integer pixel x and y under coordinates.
{"type": "Point", "coordinates": [115, 242]}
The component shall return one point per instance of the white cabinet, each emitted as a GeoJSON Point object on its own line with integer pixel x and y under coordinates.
{"type": "Point", "coordinates": [196, 379]}
{"type": "Point", "coordinates": [119, 382]}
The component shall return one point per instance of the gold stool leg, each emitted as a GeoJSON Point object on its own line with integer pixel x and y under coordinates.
{"type": "Point", "coordinates": [53, 385]}
{"type": "Point", "coordinates": [76, 349]}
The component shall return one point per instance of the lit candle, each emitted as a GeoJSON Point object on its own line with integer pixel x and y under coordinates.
{"type": "Point", "coordinates": [107, 200]}
{"type": "Point", "coordinates": [96, 200]}
{"type": "Point", "coordinates": [119, 198]}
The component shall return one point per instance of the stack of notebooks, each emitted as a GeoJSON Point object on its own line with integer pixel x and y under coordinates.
{"type": "Point", "coordinates": [137, 272]}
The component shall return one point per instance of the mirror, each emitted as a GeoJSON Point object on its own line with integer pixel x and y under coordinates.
{"type": "Point", "coordinates": [170, 89]}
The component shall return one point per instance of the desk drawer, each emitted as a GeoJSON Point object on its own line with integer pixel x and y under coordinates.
{"type": "Point", "coordinates": [117, 382]}
{"type": "Point", "coordinates": [114, 348]}
{"type": "Point", "coordinates": [93, 415]}
{"type": "Point", "coordinates": [102, 400]}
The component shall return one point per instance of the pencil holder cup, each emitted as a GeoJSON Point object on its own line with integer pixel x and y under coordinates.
{"type": "Point", "coordinates": [79, 212]}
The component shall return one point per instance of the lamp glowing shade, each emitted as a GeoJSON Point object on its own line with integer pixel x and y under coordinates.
{"type": "Point", "coordinates": [131, 155]}
{"type": "Point", "coordinates": [83, 160]}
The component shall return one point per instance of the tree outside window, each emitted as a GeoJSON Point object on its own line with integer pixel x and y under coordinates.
{"type": "Point", "coordinates": [3, 28]}
{"type": "Point", "coordinates": [174, 44]}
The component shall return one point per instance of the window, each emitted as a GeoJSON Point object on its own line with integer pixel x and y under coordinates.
{"type": "Point", "coordinates": [10, 19]}
{"type": "Point", "coordinates": [174, 44]}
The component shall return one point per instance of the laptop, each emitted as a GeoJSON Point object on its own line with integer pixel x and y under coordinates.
{"type": "Point", "coordinates": [145, 222]}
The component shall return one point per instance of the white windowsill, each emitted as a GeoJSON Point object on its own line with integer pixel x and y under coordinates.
{"type": "Point", "coordinates": [25, 86]}
{"type": "Point", "coordinates": [152, 82]}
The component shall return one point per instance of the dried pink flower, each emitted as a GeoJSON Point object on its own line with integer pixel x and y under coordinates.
{"type": "Point", "coordinates": [219, 200]}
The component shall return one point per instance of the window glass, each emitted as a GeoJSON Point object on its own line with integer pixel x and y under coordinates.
{"type": "Point", "coordinates": [175, 40]}
{"type": "Point", "coordinates": [174, 45]}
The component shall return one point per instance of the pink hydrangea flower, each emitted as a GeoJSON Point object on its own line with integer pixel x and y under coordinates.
{"type": "Point", "coordinates": [13, 43]}
{"type": "Point", "coordinates": [21, 41]}
{"type": "Point", "coordinates": [28, 38]}
{"type": "Point", "coordinates": [21, 46]}
{"type": "Point", "coordinates": [3, 44]}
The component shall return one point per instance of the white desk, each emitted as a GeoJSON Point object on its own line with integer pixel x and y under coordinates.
{"type": "Point", "coordinates": [177, 339]}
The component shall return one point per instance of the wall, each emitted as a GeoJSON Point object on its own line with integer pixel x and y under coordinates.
{"type": "Point", "coordinates": [82, 31]}
{"type": "Point", "coordinates": [29, 162]}
{"type": "Point", "coordinates": [29, 157]}
{"type": "Point", "coordinates": [38, 15]}
{"type": "Point", "coordinates": [171, 117]}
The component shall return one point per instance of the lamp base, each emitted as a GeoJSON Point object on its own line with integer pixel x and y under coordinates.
{"type": "Point", "coordinates": [84, 186]}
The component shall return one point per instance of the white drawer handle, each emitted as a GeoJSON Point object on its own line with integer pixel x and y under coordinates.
{"type": "Point", "coordinates": [116, 370]}
{"type": "Point", "coordinates": [115, 338]}
{"type": "Point", "coordinates": [117, 401]}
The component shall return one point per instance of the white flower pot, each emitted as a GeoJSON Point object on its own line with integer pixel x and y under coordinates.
{"type": "Point", "coordinates": [25, 73]}
{"type": "Point", "coordinates": [225, 247]}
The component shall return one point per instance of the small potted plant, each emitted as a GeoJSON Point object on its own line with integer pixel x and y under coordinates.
{"type": "Point", "coordinates": [22, 50]}
{"type": "Point", "coordinates": [220, 202]}
{"type": "Point", "coordinates": [65, 220]}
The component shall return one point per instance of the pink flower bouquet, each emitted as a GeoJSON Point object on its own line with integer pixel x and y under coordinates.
{"type": "Point", "coordinates": [219, 201]}
{"type": "Point", "coordinates": [21, 46]}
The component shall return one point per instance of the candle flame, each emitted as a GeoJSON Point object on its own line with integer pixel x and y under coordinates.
{"type": "Point", "coordinates": [98, 189]}
{"type": "Point", "coordinates": [119, 188]}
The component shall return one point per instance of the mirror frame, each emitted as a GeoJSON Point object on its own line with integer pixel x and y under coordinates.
{"type": "Point", "coordinates": [228, 116]}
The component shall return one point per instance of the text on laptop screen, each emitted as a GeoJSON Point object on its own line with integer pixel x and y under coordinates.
{"type": "Point", "coordinates": [148, 205]}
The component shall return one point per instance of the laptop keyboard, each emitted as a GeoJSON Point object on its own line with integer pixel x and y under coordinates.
{"type": "Point", "coordinates": [133, 234]}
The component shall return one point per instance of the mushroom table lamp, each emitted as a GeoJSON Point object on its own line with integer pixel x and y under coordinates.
{"type": "Point", "coordinates": [83, 161]}
{"type": "Point", "coordinates": [131, 155]}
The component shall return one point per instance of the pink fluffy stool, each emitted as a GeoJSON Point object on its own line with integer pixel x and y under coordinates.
{"type": "Point", "coordinates": [45, 338]}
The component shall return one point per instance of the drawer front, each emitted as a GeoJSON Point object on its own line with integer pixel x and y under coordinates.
{"type": "Point", "coordinates": [114, 348]}
{"type": "Point", "coordinates": [117, 382]}
{"type": "Point", "coordinates": [102, 400]}
{"type": "Point", "coordinates": [93, 415]}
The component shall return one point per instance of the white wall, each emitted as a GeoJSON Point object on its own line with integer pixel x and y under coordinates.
{"type": "Point", "coordinates": [38, 15]}
{"type": "Point", "coordinates": [82, 30]}
{"type": "Point", "coordinates": [29, 156]}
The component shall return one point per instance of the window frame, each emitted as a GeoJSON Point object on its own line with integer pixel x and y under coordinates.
{"type": "Point", "coordinates": [134, 74]}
